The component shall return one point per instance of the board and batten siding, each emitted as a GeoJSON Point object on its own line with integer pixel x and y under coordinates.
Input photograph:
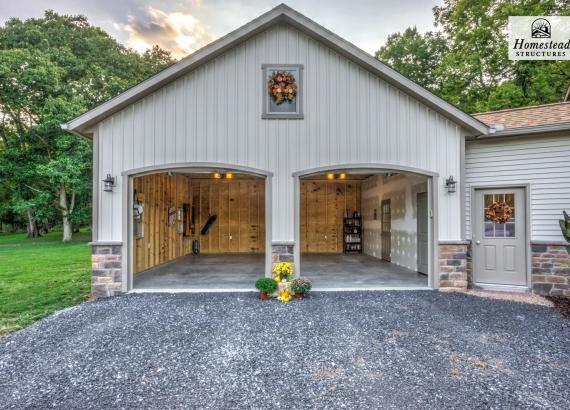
{"type": "Point", "coordinates": [213, 114]}
{"type": "Point", "coordinates": [542, 162]}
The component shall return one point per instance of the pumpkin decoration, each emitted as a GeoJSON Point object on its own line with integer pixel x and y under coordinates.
{"type": "Point", "coordinates": [499, 212]}
{"type": "Point", "coordinates": [282, 86]}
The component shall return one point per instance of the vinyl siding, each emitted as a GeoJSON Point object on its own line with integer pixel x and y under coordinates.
{"type": "Point", "coordinates": [542, 162]}
{"type": "Point", "coordinates": [213, 114]}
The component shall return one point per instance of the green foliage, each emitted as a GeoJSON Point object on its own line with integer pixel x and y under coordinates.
{"type": "Point", "coordinates": [266, 285]}
{"type": "Point", "coordinates": [467, 63]}
{"type": "Point", "coordinates": [40, 276]}
{"type": "Point", "coordinates": [51, 70]}
{"type": "Point", "coordinates": [301, 285]}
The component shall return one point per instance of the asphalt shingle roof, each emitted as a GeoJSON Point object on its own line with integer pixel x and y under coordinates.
{"type": "Point", "coordinates": [547, 114]}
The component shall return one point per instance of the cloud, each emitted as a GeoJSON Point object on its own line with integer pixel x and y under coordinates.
{"type": "Point", "coordinates": [178, 32]}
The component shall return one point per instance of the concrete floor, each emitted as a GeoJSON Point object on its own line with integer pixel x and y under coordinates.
{"type": "Point", "coordinates": [239, 272]}
{"type": "Point", "coordinates": [357, 271]}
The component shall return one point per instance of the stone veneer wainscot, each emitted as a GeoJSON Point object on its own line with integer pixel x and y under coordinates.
{"type": "Point", "coordinates": [107, 276]}
{"type": "Point", "coordinates": [550, 269]}
{"type": "Point", "coordinates": [453, 263]}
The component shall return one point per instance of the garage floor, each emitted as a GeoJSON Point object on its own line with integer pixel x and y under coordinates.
{"type": "Point", "coordinates": [239, 272]}
{"type": "Point", "coordinates": [357, 271]}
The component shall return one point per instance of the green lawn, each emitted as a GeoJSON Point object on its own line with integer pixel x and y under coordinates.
{"type": "Point", "coordinates": [40, 276]}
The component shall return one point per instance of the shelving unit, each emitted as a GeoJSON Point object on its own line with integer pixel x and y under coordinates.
{"type": "Point", "coordinates": [352, 234]}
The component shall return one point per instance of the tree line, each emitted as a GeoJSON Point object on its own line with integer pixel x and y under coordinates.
{"type": "Point", "coordinates": [56, 67]}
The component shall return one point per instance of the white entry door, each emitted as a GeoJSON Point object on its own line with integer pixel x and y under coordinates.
{"type": "Point", "coordinates": [499, 237]}
{"type": "Point", "coordinates": [423, 232]}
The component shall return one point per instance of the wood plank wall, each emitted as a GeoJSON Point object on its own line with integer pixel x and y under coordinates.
{"type": "Point", "coordinates": [322, 209]}
{"type": "Point", "coordinates": [239, 204]}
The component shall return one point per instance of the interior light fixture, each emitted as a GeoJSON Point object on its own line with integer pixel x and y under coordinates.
{"type": "Point", "coordinates": [217, 175]}
{"type": "Point", "coordinates": [330, 175]}
{"type": "Point", "coordinates": [342, 175]}
{"type": "Point", "coordinates": [229, 175]}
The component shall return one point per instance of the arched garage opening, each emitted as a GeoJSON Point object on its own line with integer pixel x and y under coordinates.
{"type": "Point", "coordinates": [198, 228]}
{"type": "Point", "coordinates": [365, 227]}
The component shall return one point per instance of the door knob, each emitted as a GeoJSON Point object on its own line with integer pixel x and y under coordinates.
{"type": "Point", "coordinates": [478, 242]}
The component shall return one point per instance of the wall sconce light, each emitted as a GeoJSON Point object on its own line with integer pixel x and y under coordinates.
{"type": "Point", "coordinates": [342, 175]}
{"type": "Point", "coordinates": [450, 184]}
{"type": "Point", "coordinates": [229, 175]}
{"type": "Point", "coordinates": [109, 182]}
{"type": "Point", "coordinates": [217, 175]}
{"type": "Point", "coordinates": [330, 176]}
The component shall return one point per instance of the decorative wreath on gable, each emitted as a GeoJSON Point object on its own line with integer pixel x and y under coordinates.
{"type": "Point", "coordinates": [282, 86]}
{"type": "Point", "coordinates": [498, 212]}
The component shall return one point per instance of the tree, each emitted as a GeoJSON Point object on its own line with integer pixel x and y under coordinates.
{"type": "Point", "coordinates": [473, 70]}
{"type": "Point", "coordinates": [415, 56]}
{"type": "Point", "coordinates": [51, 70]}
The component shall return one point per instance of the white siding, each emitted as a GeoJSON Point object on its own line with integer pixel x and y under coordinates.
{"type": "Point", "coordinates": [543, 162]}
{"type": "Point", "coordinates": [214, 114]}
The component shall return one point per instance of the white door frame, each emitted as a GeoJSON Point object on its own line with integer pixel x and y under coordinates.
{"type": "Point", "coordinates": [526, 190]}
{"type": "Point", "coordinates": [432, 185]}
{"type": "Point", "coordinates": [127, 211]}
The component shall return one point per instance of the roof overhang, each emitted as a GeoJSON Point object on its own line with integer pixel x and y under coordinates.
{"type": "Point", "coordinates": [539, 129]}
{"type": "Point", "coordinates": [279, 14]}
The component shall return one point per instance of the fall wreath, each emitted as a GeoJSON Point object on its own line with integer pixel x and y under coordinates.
{"type": "Point", "coordinates": [498, 212]}
{"type": "Point", "coordinates": [282, 86]}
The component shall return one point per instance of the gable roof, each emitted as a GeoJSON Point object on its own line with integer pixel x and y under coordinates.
{"type": "Point", "coordinates": [279, 14]}
{"type": "Point", "coordinates": [527, 120]}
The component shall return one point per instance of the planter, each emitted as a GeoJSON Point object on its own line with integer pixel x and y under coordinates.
{"type": "Point", "coordinates": [263, 296]}
{"type": "Point", "coordinates": [299, 296]}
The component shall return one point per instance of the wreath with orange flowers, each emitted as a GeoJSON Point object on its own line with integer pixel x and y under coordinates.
{"type": "Point", "coordinates": [498, 212]}
{"type": "Point", "coordinates": [282, 86]}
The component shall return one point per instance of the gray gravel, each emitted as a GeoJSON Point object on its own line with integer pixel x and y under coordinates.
{"type": "Point", "coordinates": [419, 349]}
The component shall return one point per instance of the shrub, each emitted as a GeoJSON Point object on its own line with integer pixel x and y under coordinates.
{"type": "Point", "coordinates": [266, 285]}
{"type": "Point", "coordinates": [301, 285]}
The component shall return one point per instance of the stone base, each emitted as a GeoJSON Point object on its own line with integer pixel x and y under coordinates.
{"type": "Point", "coordinates": [282, 253]}
{"type": "Point", "coordinates": [107, 275]}
{"type": "Point", "coordinates": [550, 270]}
{"type": "Point", "coordinates": [453, 262]}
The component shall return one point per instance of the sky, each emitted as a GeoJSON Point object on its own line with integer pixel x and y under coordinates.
{"type": "Point", "coordinates": [183, 26]}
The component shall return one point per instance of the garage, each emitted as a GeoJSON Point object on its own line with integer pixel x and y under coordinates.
{"type": "Point", "coordinates": [201, 230]}
{"type": "Point", "coordinates": [364, 229]}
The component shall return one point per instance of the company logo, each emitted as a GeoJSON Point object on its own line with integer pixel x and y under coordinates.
{"type": "Point", "coordinates": [539, 37]}
{"type": "Point", "coordinates": [541, 28]}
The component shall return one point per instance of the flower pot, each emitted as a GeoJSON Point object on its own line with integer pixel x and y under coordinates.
{"type": "Point", "coordinates": [263, 296]}
{"type": "Point", "coordinates": [299, 295]}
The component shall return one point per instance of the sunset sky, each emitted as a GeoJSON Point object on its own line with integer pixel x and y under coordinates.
{"type": "Point", "coordinates": [183, 26]}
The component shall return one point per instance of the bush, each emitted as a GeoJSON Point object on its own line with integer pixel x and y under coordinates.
{"type": "Point", "coordinates": [266, 285]}
{"type": "Point", "coordinates": [301, 285]}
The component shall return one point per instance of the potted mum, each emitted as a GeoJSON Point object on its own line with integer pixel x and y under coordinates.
{"type": "Point", "coordinates": [283, 272]}
{"type": "Point", "coordinates": [265, 287]}
{"type": "Point", "coordinates": [300, 287]}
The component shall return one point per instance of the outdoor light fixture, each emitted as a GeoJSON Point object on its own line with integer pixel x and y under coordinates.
{"type": "Point", "coordinates": [109, 183]}
{"type": "Point", "coordinates": [217, 175]}
{"type": "Point", "coordinates": [450, 184]}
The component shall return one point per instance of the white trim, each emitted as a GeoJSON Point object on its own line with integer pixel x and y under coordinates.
{"type": "Point", "coordinates": [278, 15]}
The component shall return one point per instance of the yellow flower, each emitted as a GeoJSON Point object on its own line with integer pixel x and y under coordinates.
{"type": "Point", "coordinates": [285, 296]}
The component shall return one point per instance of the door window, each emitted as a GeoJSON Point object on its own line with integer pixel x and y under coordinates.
{"type": "Point", "coordinates": [499, 215]}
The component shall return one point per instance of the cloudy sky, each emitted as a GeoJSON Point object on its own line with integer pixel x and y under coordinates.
{"type": "Point", "coordinates": [183, 26]}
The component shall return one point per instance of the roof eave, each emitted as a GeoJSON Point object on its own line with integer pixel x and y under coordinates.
{"type": "Point", "coordinates": [302, 23]}
{"type": "Point", "coordinates": [539, 129]}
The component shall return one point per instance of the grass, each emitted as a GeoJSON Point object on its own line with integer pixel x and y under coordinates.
{"type": "Point", "coordinates": [40, 276]}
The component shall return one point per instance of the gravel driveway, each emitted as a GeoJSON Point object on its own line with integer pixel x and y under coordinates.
{"type": "Point", "coordinates": [409, 349]}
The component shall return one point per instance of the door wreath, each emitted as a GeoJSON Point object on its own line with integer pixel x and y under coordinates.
{"type": "Point", "coordinates": [498, 212]}
{"type": "Point", "coordinates": [282, 86]}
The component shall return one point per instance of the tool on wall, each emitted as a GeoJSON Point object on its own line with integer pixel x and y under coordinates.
{"type": "Point", "coordinates": [208, 225]}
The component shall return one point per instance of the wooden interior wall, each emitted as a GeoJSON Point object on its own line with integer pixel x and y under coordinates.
{"type": "Point", "coordinates": [239, 204]}
{"type": "Point", "coordinates": [322, 210]}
